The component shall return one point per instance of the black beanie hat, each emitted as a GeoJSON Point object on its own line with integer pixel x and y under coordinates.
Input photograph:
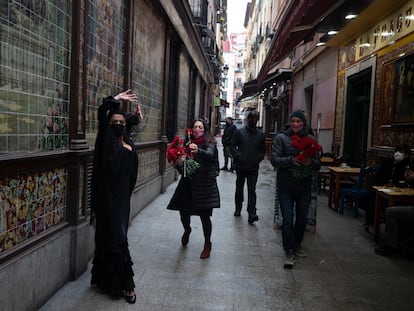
{"type": "Point", "coordinates": [298, 114]}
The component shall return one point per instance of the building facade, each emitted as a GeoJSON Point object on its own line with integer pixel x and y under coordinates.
{"type": "Point", "coordinates": [350, 72]}
{"type": "Point", "coordinates": [58, 59]}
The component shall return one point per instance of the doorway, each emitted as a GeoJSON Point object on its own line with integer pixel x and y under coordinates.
{"type": "Point", "coordinates": [357, 117]}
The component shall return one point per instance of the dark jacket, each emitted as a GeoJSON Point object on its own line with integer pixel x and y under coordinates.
{"type": "Point", "coordinates": [199, 191]}
{"type": "Point", "coordinates": [104, 162]}
{"type": "Point", "coordinates": [282, 154]}
{"type": "Point", "coordinates": [248, 148]}
{"type": "Point", "coordinates": [228, 133]}
{"type": "Point", "coordinates": [392, 171]}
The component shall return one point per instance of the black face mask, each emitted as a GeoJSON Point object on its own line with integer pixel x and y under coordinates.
{"type": "Point", "coordinates": [118, 129]}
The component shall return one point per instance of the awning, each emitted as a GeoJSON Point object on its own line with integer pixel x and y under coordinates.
{"type": "Point", "coordinates": [249, 89]}
{"type": "Point", "coordinates": [301, 20]}
{"type": "Point", "coordinates": [253, 87]}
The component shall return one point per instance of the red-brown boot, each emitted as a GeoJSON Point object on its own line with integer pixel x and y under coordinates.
{"type": "Point", "coordinates": [206, 251]}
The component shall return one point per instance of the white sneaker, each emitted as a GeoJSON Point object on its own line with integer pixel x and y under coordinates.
{"type": "Point", "coordinates": [290, 260]}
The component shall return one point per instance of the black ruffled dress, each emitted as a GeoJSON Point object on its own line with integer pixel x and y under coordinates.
{"type": "Point", "coordinates": [113, 180]}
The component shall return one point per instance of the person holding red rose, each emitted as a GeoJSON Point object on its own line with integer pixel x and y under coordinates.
{"type": "Point", "coordinates": [295, 154]}
{"type": "Point", "coordinates": [197, 194]}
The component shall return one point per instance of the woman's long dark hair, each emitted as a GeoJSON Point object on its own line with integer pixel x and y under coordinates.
{"type": "Point", "coordinates": [208, 138]}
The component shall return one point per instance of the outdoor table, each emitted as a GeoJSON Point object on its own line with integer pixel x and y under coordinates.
{"type": "Point", "coordinates": [394, 196]}
{"type": "Point", "coordinates": [337, 173]}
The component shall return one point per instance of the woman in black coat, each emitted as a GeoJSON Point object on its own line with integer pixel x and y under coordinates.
{"type": "Point", "coordinates": [113, 180]}
{"type": "Point", "coordinates": [198, 194]}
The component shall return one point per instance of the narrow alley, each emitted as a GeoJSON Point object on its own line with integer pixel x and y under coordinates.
{"type": "Point", "coordinates": [245, 271]}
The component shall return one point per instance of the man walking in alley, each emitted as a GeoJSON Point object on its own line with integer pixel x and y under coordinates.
{"type": "Point", "coordinates": [229, 131]}
{"type": "Point", "coordinates": [248, 150]}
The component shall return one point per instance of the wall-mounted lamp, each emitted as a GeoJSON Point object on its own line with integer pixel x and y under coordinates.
{"type": "Point", "coordinates": [225, 70]}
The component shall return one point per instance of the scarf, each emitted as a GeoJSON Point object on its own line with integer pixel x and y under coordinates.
{"type": "Point", "coordinates": [198, 141]}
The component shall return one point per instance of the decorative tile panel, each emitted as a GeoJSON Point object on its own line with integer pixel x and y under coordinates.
{"type": "Point", "coordinates": [149, 163]}
{"type": "Point", "coordinates": [30, 204]}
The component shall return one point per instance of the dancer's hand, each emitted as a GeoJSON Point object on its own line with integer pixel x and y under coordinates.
{"type": "Point", "coordinates": [127, 96]}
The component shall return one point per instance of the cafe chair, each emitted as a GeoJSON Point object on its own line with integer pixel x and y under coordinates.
{"type": "Point", "coordinates": [323, 179]}
{"type": "Point", "coordinates": [323, 174]}
{"type": "Point", "coordinates": [361, 192]}
{"type": "Point", "coordinates": [327, 159]}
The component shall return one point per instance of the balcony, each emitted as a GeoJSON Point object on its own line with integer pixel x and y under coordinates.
{"type": "Point", "coordinates": [199, 10]}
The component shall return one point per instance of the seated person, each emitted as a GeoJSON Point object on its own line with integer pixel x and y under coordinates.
{"type": "Point", "coordinates": [395, 218]}
{"type": "Point", "coordinates": [392, 170]}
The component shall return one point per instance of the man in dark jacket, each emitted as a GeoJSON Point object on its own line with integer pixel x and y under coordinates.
{"type": "Point", "coordinates": [229, 131]}
{"type": "Point", "coordinates": [294, 183]}
{"type": "Point", "coordinates": [248, 150]}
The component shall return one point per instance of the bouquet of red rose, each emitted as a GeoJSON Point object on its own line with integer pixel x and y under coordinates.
{"type": "Point", "coordinates": [308, 148]}
{"type": "Point", "coordinates": [177, 149]}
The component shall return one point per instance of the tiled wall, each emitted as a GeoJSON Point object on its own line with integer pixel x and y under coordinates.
{"type": "Point", "coordinates": [30, 204]}
{"type": "Point", "coordinates": [148, 69]}
{"type": "Point", "coordinates": [35, 55]}
{"type": "Point", "coordinates": [104, 57]}
{"type": "Point", "coordinates": [183, 92]}
{"type": "Point", "coordinates": [34, 74]}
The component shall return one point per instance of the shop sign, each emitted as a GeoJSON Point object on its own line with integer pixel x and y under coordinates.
{"type": "Point", "coordinates": [386, 32]}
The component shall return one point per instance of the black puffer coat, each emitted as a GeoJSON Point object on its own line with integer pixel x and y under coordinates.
{"type": "Point", "coordinates": [199, 192]}
{"type": "Point", "coordinates": [282, 154]}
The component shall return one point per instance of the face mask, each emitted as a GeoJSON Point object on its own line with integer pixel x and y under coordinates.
{"type": "Point", "coordinates": [118, 129]}
{"type": "Point", "coordinates": [398, 156]}
{"type": "Point", "coordinates": [296, 127]}
{"type": "Point", "coordinates": [198, 133]}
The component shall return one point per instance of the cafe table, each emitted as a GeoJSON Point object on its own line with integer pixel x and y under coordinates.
{"type": "Point", "coordinates": [394, 196]}
{"type": "Point", "coordinates": [338, 173]}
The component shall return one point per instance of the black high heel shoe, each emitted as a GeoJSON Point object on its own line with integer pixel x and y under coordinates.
{"type": "Point", "coordinates": [130, 299]}
{"type": "Point", "coordinates": [185, 238]}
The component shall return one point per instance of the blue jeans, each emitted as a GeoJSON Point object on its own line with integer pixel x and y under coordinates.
{"type": "Point", "coordinates": [251, 177]}
{"type": "Point", "coordinates": [294, 204]}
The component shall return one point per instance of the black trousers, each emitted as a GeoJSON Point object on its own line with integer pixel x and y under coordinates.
{"type": "Point", "coordinates": [205, 221]}
{"type": "Point", "coordinates": [251, 177]}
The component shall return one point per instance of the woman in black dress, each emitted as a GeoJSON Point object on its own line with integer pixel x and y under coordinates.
{"type": "Point", "coordinates": [198, 194]}
{"type": "Point", "coordinates": [113, 180]}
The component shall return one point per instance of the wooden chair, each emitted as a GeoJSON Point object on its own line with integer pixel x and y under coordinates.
{"type": "Point", "coordinates": [323, 174]}
{"type": "Point", "coordinates": [323, 178]}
